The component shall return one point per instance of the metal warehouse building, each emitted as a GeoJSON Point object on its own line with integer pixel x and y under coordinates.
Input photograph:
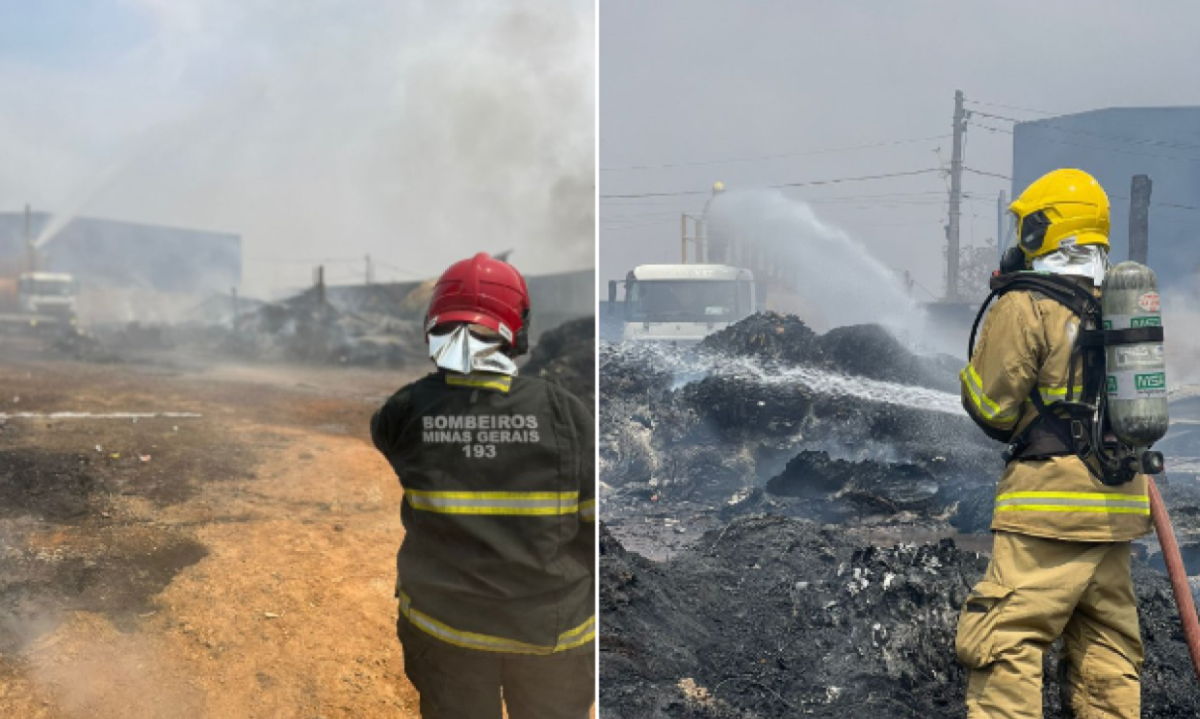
{"type": "Point", "coordinates": [127, 255]}
{"type": "Point", "coordinates": [1114, 145]}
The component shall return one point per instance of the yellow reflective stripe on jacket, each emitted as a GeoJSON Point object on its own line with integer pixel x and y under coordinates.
{"type": "Point", "coordinates": [578, 636]}
{"type": "Point", "coordinates": [569, 639]}
{"type": "Point", "coordinates": [510, 503]}
{"type": "Point", "coordinates": [987, 408]}
{"type": "Point", "coordinates": [1057, 394]}
{"type": "Point", "coordinates": [1073, 502]}
{"type": "Point", "coordinates": [500, 382]}
{"type": "Point", "coordinates": [587, 510]}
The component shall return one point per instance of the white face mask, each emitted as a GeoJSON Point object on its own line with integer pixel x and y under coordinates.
{"type": "Point", "coordinates": [460, 351]}
{"type": "Point", "coordinates": [1079, 260]}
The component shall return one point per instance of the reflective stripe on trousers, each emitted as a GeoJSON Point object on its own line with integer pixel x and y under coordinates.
{"type": "Point", "coordinates": [1073, 502]}
{"type": "Point", "coordinates": [569, 639]}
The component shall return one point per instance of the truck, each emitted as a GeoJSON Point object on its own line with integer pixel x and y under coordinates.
{"type": "Point", "coordinates": [683, 303]}
{"type": "Point", "coordinates": [38, 299]}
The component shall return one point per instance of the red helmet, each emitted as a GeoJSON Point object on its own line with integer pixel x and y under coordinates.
{"type": "Point", "coordinates": [486, 292]}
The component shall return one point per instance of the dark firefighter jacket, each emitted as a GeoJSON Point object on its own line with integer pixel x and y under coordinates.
{"type": "Point", "coordinates": [1025, 347]}
{"type": "Point", "coordinates": [499, 509]}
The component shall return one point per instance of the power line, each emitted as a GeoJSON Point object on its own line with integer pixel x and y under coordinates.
{"type": "Point", "coordinates": [1044, 124]}
{"type": "Point", "coordinates": [1177, 158]}
{"type": "Point", "coordinates": [302, 260]}
{"type": "Point", "coordinates": [640, 215]}
{"type": "Point", "coordinates": [1012, 107]}
{"type": "Point", "coordinates": [987, 174]}
{"type": "Point", "coordinates": [990, 128]}
{"type": "Point", "coordinates": [760, 158]}
{"type": "Point", "coordinates": [1174, 206]}
{"type": "Point", "coordinates": [642, 195]}
{"type": "Point", "coordinates": [999, 117]}
{"type": "Point", "coordinates": [856, 179]}
{"type": "Point", "coordinates": [400, 270]}
{"type": "Point", "coordinates": [619, 228]}
{"type": "Point", "coordinates": [1041, 124]}
{"type": "Point", "coordinates": [784, 185]}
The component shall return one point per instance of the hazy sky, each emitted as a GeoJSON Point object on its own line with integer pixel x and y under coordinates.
{"type": "Point", "coordinates": [691, 83]}
{"type": "Point", "coordinates": [418, 132]}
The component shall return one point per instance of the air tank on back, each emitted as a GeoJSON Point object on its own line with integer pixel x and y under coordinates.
{"type": "Point", "coordinates": [1137, 380]}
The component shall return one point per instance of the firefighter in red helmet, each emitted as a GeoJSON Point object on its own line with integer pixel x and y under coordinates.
{"type": "Point", "coordinates": [496, 570]}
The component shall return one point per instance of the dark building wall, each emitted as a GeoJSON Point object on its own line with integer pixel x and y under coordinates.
{"type": "Point", "coordinates": [1114, 145]}
{"type": "Point", "coordinates": [129, 255]}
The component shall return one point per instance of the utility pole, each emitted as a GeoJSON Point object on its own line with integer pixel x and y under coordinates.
{"type": "Point", "coordinates": [369, 273]}
{"type": "Point", "coordinates": [956, 167]}
{"type": "Point", "coordinates": [30, 251]}
{"type": "Point", "coordinates": [1000, 203]}
{"type": "Point", "coordinates": [683, 238]}
{"type": "Point", "coordinates": [1139, 218]}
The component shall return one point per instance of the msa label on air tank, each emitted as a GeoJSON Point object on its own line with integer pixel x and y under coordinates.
{"type": "Point", "coordinates": [1131, 384]}
{"type": "Point", "coordinates": [1123, 322]}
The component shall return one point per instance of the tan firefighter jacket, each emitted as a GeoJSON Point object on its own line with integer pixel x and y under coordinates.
{"type": "Point", "coordinates": [1025, 346]}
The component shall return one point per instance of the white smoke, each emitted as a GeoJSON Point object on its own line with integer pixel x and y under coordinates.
{"type": "Point", "coordinates": [840, 282]}
{"type": "Point", "coordinates": [417, 132]}
{"type": "Point", "coordinates": [1181, 327]}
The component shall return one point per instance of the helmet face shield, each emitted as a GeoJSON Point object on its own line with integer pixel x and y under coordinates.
{"type": "Point", "coordinates": [1011, 238]}
{"type": "Point", "coordinates": [470, 348]}
{"type": "Point", "coordinates": [1032, 230]}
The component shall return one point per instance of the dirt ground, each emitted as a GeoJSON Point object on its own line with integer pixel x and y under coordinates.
{"type": "Point", "coordinates": [235, 564]}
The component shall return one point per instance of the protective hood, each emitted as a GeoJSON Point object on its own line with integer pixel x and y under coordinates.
{"type": "Point", "coordinates": [462, 352]}
{"type": "Point", "coordinates": [1079, 260]}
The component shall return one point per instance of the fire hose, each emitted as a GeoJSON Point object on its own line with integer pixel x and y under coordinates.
{"type": "Point", "coordinates": [1175, 569]}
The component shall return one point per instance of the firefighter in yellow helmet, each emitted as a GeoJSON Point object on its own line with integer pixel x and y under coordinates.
{"type": "Point", "coordinates": [1061, 548]}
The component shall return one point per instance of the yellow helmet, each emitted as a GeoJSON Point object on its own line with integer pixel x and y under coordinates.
{"type": "Point", "coordinates": [718, 187]}
{"type": "Point", "coordinates": [1063, 207]}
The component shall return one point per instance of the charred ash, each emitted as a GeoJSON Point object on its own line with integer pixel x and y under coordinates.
{"type": "Point", "coordinates": [785, 522]}
{"type": "Point", "coordinates": [772, 616]}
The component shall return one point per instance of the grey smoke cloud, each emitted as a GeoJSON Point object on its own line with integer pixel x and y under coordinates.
{"type": "Point", "coordinates": [695, 81]}
{"type": "Point", "coordinates": [415, 132]}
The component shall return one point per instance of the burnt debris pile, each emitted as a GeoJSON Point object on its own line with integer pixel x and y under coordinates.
{"type": "Point", "coordinates": [845, 426]}
{"type": "Point", "coordinates": [376, 326]}
{"type": "Point", "coordinates": [786, 339]}
{"type": "Point", "coordinates": [567, 355]}
{"type": "Point", "coordinates": [867, 486]}
{"type": "Point", "coordinates": [771, 616]}
{"type": "Point", "coordinates": [308, 328]}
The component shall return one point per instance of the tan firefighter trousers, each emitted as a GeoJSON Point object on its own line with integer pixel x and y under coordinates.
{"type": "Point", "coordinates": [1034, 591]}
